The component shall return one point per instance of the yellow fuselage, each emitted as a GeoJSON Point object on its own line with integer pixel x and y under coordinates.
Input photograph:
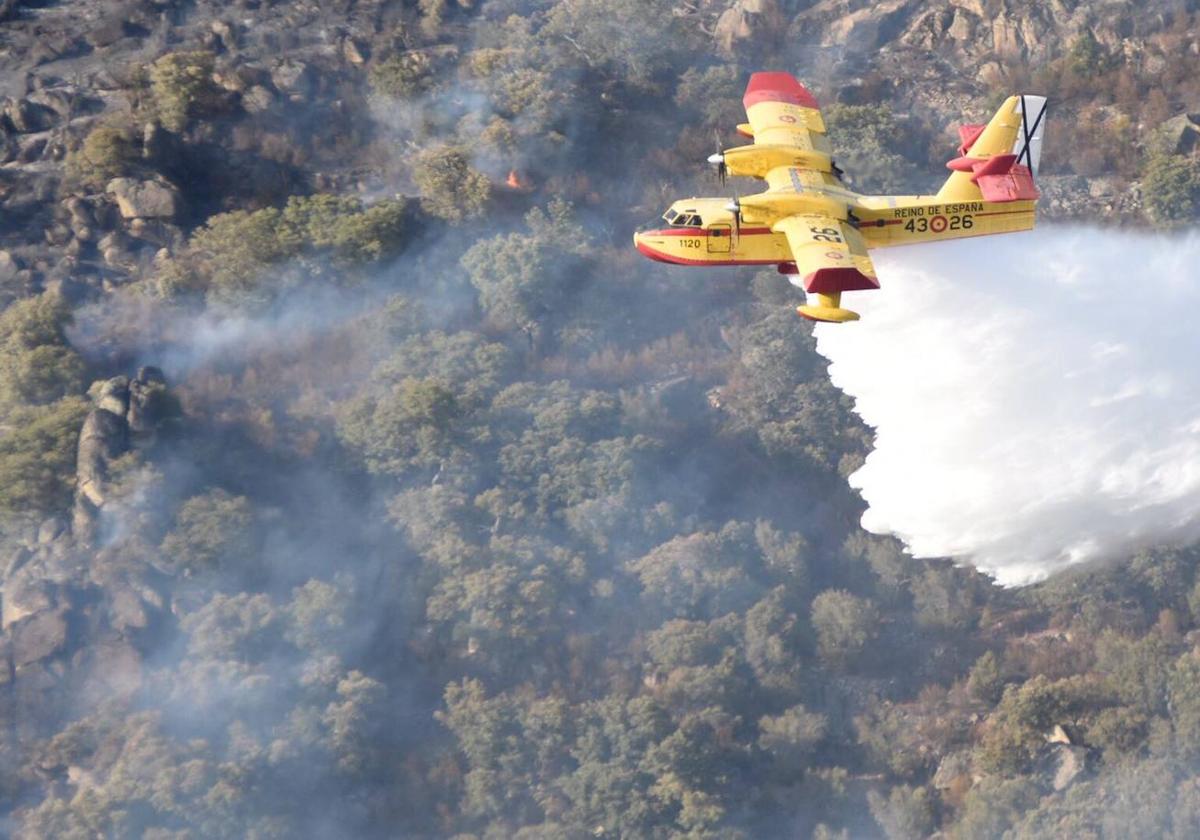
{"type": "Point", "coordinates": [707, 235]}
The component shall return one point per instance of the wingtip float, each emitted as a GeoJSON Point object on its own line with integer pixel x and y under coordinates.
{"type": "Point", "coordinates": [816, 229]}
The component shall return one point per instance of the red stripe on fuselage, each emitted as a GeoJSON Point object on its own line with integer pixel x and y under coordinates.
{"type": "Point", "coordinates": [655, 254]}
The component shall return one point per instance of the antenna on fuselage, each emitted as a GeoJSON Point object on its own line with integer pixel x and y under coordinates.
{"type": "Point", "coordinates": [735, 207]}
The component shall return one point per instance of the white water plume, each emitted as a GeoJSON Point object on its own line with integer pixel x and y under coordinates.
{"type": "Point", "coordinates": [1036, 396]}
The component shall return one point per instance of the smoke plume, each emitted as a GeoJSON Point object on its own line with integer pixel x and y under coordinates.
{"type": "Point", "coordinates": [1035, 397]}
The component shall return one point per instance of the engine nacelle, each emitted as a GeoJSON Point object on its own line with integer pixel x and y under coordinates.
{"type": "Point", "coordinates": [756, 161]}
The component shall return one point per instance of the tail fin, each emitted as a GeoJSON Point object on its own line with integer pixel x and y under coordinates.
{"type": "Point", "coordinates": [1000, 158]}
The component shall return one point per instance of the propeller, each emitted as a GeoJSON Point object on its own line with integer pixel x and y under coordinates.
{"type": "Point", "coordinates": [718, 160]}
{"type": "Point", "coordinates": [722, 170]}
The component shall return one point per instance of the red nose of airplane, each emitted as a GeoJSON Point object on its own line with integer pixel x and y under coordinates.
{"type": "Point", "coordinates": [642, 240]}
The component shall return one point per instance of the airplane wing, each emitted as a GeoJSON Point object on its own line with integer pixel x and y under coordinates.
{"type": "Point", "coordinates": [831, 258]}
{"type": "Point", "coordinates": [782, 112]}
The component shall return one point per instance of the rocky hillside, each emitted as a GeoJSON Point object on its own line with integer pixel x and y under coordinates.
{"type": "Point", "coordinates": [356, 480]}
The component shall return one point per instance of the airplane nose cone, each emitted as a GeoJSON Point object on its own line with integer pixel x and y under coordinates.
{"type": "Point", "coordinates": [717, 158]}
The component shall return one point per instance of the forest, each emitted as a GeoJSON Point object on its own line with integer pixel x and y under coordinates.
{"type": "Point", "coordinates": [358, 479]}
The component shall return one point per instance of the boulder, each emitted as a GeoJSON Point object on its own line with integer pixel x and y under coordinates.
{"type": "Point", "coordinates": [51, 529]}
{"type": "Point", "coordinates": [257, 99]}
{"type": "Point", "coordinates": [25, 596]}
{"type": "Point", "coordinates": [962, 26]}
{"type": "Point", "coordinates": [127, 611]}
{"type": "Point", "coordinates": [38, 637]}
{"type": "Point", "coordinates": [748, 22]}
{"type": "Point", "coordinates": [147, 402]}
{"type": "Point", "coordinates": [113, 396]}
{"type": "Point", "coordinates": [29, 117]}
{"type": "Point", "coordinates": [226, 32]}
{"type": "Point", "coordinates": [157, 232]}
{"type": "Point", "coordinates": [30, 148]}
{"type": "Point", "coordinates": [9, 267]}
{"type": "Point", "coordinates": [104, 436]}
{"type": "Point", "coordinates": [106, 32]}
{"type": "Point", "coordinates": [125, 414]}
{"type": "Point", "coordinates": [952, 768]}
{"type": "Point", "coordinates": [354, 52]}
{"type": "Point", "coordinates": [1181, 133]}
{"type": "Point", "coordinates": [155, 199]}
{"type": "Point", "coordinates": [294, 78]}
{"type": "Point", "coordinates": [1068, 764]}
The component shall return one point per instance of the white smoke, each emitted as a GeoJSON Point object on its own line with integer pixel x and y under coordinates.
{"type": "Point", "coordinates": [1036, 397]}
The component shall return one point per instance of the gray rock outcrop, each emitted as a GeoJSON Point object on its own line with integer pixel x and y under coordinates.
{"type": "Point", "coordinates": [127, 414]}
{"type": "Point", "coordinates": [154, 199]}
{"type": "Point", "coordinates": [748, 22]}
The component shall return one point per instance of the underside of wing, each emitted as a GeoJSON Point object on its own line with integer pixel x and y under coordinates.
{"type": "Point", "coordinates": [782, 112]}
{"type": "Point", "coordinates": [830, 257]}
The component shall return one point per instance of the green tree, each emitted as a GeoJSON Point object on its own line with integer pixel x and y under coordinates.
{"type": "Point", "coordinates": [213, 531]}
{"type": "Point", "coordinates": [107, 152]}
{"type": "Point", "coordinates": [413, 425]}
{"type": "Point", "coordinates": [182, 87]}
{"type": "Point", "coordinates": [1017, 730]}
{"type": "Point", "coordinates": [1119, 732]}
{"type": "Point", "coordinates": [986, 680]}
{"type": "Point", "coordinates": [845, 625]}
{"type": "Point", "coordinates": [1169, 185]}
{"type": "Point", "coordinates": [37, 366]}
{"type": "Point", "coordinates": [993, 806]}
{"type": "Point", "coordinates": [1183, 689]}
{"type": "Point", "coordinates": [702, 575]}
{"type": "Point", "coordinates": [771, 642]}
{"type": "Point", "coordinates": [1137, 669]}
{"type": "Point", "coordinates": [629, 38]}
{"type": "Point", "coordinates": [792, 737]}
{"type": "Point", "coordinates": [354, 721]}
{"type": "Point", "coordinates": [522, 278]}
{"type": "Point", "coordinates": [401, 75]}
{"type": "Point", "coordinates": [906, 814]}
{"type": "Point", "coordinates": [1087, 56]}
{"type": "Point", "coordinates": [870, 141]}
{"type": "Point", "coordinates": [37, 458]}
{"type": "Point", "coordinates": [450, 187]}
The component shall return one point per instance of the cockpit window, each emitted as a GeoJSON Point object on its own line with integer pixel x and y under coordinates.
{"type": "Point", "coordinates": [686, 219]}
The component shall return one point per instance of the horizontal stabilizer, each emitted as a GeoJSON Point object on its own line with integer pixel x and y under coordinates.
{"type": "Point", "coordinates": [999, 177]}
{"type": "Point", "coordinates": [1014, 185]}
{"type": "Point", "coordinates": [995, 165]}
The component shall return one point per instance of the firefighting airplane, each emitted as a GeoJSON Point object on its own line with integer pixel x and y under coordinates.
{"type": "Point", "coordinates": [815, 229]}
